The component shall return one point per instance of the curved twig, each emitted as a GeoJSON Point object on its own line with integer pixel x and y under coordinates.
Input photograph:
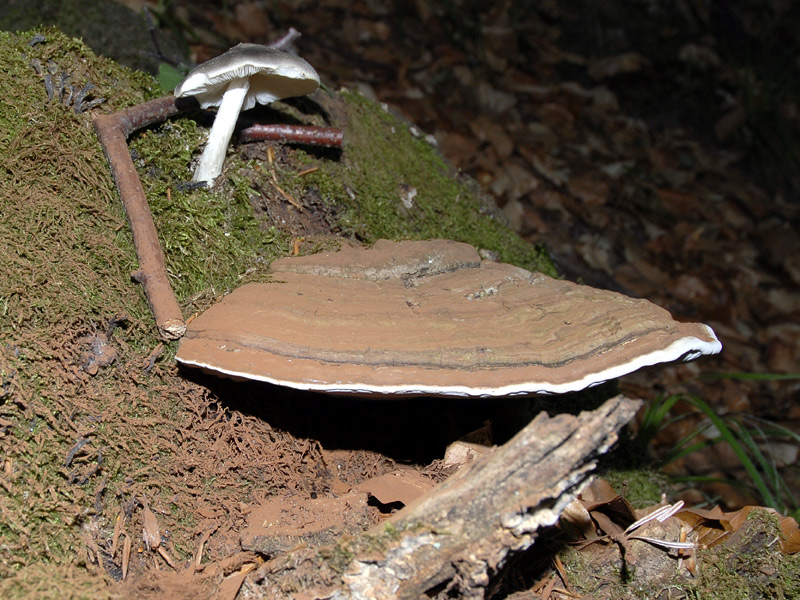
{"type": "Point", "coordinates": [113, 131]}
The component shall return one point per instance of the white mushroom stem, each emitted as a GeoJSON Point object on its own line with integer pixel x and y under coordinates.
{"type": "Point", "coordinates": [213, 157]}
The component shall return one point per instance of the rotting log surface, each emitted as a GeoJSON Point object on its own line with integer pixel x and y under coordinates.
{"type": "Point", "coordinates": [455, 538]}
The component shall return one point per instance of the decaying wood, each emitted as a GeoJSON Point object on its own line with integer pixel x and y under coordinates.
{"type": "Point", "coordinates": [113, 132]}
{"type": "Point", "coordinates": [451, 541]}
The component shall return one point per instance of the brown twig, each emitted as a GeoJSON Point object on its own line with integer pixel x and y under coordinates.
{"type": "Point", "coordinates": [298, 134]}
{"type": "Point", "coordinates": [113, 131]}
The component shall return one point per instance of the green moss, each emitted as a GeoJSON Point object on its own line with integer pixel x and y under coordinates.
{"type": "Point", "coordinates": [339, 557]}
{"type": "Point", "coordinates": [73, 583]}
{"type": "Point", "coordinates": [750, 565]}
{"type": "Point", "coordinates": [68, 254]}
{"type": "Point", "coordinates": [581, 571]}
{"type": "Point", "coordinates": [747, 565]}
{"type": "Point", "coordinates": [114, 30]}
{"type": "Point", "coordinates": [642, 487]}
{"type": "Point", "coordinates": [60, 213]}
{"type": "Point", "coordinates": [210, 239]}
{"type": "Point", "coordinates": [382, 161]}
{"type": "Point", "coordinates": [67, 258]}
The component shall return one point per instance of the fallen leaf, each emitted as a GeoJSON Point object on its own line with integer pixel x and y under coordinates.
{"type": "Point", "coordinates": [790, 536]}
{"type": "Point", "coordinates": [601, 497]}
{"type": "Point", "coordinates": [577, 521]}
{"type": "Point", "coordinates": [150, 533]}
{"type": "Point", "coordinates": [712, 526]}
{"type": "Point", "coordinates": [611, 66]}
{"type": "Point", "coordinates": [229, 587]}
{"type": "Point", "coordinates": [400, 486]}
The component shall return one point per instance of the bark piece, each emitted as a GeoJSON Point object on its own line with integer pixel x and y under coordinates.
{"type": "Point", "coordinates": [453, 539]}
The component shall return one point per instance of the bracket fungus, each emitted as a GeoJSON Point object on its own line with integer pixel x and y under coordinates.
{"type": "Point", "coordinates": [431, 318]}
{"type": "Point", "coordinates": [235, 81]}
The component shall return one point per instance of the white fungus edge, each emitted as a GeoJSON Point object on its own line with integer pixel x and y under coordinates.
{"type": "Point", "coordinates": [684, 349]}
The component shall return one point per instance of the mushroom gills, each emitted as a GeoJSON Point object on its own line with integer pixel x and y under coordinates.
{"type": "Point", "coordinates": [236, 80]}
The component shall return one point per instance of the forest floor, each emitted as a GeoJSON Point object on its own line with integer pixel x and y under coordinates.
{"type": "Point", "coordinates": [655, 153]}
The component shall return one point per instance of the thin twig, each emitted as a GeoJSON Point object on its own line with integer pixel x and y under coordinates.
{"type": "Point", "coordinates": [298, 134]}
{"type": "Point", "coordinates": [113, 131]}
{"type": "Point", "coordinates": [283, 42]}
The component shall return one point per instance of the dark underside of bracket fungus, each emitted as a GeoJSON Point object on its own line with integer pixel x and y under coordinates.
{"type": "Point", "coordinates": [431, 318]}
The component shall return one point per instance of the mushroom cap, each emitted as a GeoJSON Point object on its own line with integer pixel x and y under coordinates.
{"type": "Point", "coordinates": [431, 318]}
{"type": "Point", "coordinates": [273, 75]}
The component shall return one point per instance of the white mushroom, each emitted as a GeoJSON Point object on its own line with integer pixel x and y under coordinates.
{"type": "Point", "coordinates": [235, 81]}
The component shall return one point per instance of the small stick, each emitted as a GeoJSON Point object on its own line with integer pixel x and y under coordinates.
{"type": "Point", "coordinates": [113, 131]}
{"type": "Point", "coordinates": [153, 357]}
{"type": "Point", "coordinates": [286, 40]}
{"type": "Point", "coordinates": [126, 554]}
{"type": "Point", "coordinates": [298, 134]}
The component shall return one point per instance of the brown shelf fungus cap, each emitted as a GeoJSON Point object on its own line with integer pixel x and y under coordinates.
{"type": "Point", "coordinates": [431, 318]}
{"type": "Point", "coordinates": [235, 81]}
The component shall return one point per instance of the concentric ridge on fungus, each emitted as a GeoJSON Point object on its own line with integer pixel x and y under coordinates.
{"type": "Point", "coordinates": [431, 318]}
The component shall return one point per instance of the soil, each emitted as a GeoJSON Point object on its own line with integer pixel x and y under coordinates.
{"type": "Point", "coordinates": [604, 146]}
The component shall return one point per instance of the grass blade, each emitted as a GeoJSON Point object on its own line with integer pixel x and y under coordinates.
{"type": "Point", "coordinates": [727, 435]}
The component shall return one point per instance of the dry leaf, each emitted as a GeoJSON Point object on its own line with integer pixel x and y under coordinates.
{"type": "Point", "coordinates": [577, 521]}
{"type": "Point", "coordinates": [611, 66]}
{"type": "Point", "coordinates": [229, 587]}
{"type": "Point", "coordinates": [712, 526]}
{"type": "Point", "coordinates": [401, 486]}
{"type": "Point", "coordinates": [150, 533]}
{"type": "Point", "coordinates": [117, 531]}
{"type": "Point", "coordinates": [126, 554]}
{"type": "Point", "coordinates": [790, 532]}
{"type": "Point", "coordinates": [601, 497]}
